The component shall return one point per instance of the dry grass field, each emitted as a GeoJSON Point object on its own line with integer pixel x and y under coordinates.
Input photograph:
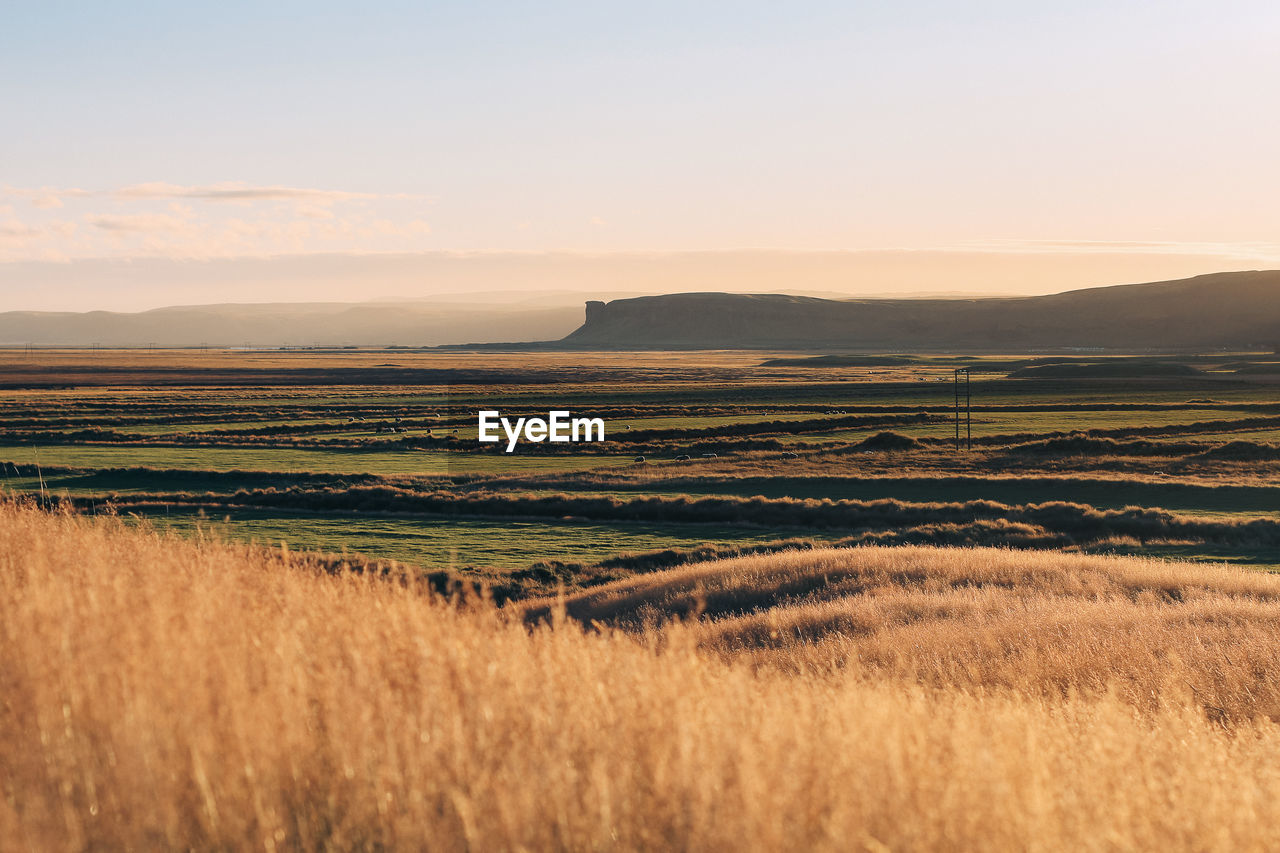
{"type": "Point", "coordinates": [159, 692]}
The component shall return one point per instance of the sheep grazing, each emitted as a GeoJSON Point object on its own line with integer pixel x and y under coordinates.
{"type": "Point", "coordinates": [709, 456]}
{"type": "Point", "coordinates": [790, 455]}
{"type": "Point", "coordinates": [638, 459]}
{"type": "Point", "coordinates": [683, 457]}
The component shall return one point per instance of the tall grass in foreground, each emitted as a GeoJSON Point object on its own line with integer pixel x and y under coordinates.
{"type": "Point", "coordinates": [159, 693]}
{"type": "Point", "coordinates": [1047, 625]}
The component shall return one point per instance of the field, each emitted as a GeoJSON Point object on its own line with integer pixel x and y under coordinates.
{"type": "Point", "coordinates": [171, 693]}
{"type": "Point", "coordinates": [374, 452]}
{"type": "Point", "coordinates": [827, 627]}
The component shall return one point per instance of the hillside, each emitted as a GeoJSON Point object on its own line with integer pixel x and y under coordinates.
{"type": "Point", "coordinates": [418, 323]}
{"type": "Point", "coordinates": [1237, 310]}
{"type": "Point", "coordinates": [1228, 310]}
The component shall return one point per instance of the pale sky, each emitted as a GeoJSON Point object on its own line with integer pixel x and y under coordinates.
{"type": "Point", "coordinates": [997, 146]}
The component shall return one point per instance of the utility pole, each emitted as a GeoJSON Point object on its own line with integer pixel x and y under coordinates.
{"type": "Point", "coordinates": [968, 408]}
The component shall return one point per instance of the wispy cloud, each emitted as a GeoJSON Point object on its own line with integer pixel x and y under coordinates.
{"type": "Point", "coordinates": [314, 211]}
{"type": "Point", "coordinates": [138, 222]}
{"type": "Point", "coordinates": [230, 218]}
{"type": "Point", "coordinates": [14, 228]}
{"type": "Point", "coordinates": [45, 198]}
{"type": "Point", "coordinates": [236, 192]}
{"type": "Point", "coordinates": [387, 228]}
{"type": "Point", "coordinates": [1261, 250]}
{"type": "Point", "coordinates": [227, 191]}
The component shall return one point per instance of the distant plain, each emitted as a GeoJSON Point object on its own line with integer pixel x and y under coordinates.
{"type": "Point", "coordinates": [374, 452]}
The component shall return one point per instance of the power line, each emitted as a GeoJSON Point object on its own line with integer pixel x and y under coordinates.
{"type": "Point", "coordinates": [968, 407]}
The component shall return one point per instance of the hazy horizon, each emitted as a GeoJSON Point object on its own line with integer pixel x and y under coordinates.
{"type": "Point", "coordinates": [545, 279]}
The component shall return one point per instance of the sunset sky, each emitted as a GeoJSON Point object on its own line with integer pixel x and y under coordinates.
{"type": "Point", "coordinates": [161, 153]}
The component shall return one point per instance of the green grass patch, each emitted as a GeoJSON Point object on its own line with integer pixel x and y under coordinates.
{"type": "Point", "coordinates": [459, 543]}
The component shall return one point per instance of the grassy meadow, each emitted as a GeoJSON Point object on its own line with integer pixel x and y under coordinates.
{"type": "Point", "coordinates": [286, 601]}
{"type": "Point", "coordinates": [375, 451]}
{"type": "Point", "coordinates": [166, 692]}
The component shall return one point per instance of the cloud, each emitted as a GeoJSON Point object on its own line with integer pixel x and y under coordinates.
{"type": "Point", "coordinates": [313, 211]}
{"type": "Point", "coordinates": [1154, 247]}
{"type": "Point", "coordinates": [13, 228]}
{"type": "Point", "coordinates": [138, 222]}
{"type": "Point", "coordinates": [387, 228]}
{"type": "Point", "coordinates": [22, 241]}
{"type": "Point", "coordinates": [236, 192]}
{"type": "Point", "coordinates": [161, 219]}
{"type": "Point", "coordinates": [45, 198]}
{"type": "Point", "coordinates": [227, 191]}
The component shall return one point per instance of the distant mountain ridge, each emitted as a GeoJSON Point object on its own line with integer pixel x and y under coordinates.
{"type": "Point", "coordinates": [1221, 310]}
{"type": "Point", "coordinates": [295, 324]}
{"type": "Point", "coordinates": [1234, 310]}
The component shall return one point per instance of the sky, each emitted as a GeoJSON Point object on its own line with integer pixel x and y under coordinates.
{"type": "Point", "coordinates": [174, 153]}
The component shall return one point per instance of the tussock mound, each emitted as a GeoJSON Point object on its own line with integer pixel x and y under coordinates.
{"type": "Point", "coordinates": [1079, 443]}
{"type": "Point", "coordinates": [1105, 370]}
{"type": "Point", "coordinates": [841, 361]}
{"type": "Point", "coordinates": [888, 441]}
{"type": "Point", "coordinates": [1243, 451]}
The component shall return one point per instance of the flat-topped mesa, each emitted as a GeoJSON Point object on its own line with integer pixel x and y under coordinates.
{"type": "Point", "coordinates": [1236, 310]}
{"type": "Point", "coordinates": [697, 320]}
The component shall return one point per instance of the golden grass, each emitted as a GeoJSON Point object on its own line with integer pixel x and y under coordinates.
{"type": "Point", "coordinates": [158, 693]}
{"type": "Point", "coordinates": [1044, 625]}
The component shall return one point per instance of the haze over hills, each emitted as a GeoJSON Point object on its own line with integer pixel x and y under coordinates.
{"type": "Point", "coordinates": [424, 323]}
{"type": "Point", "coordinates": [1221, 310]}
{"type": "Point", "coordinates": [1227, 310]}
{"type": "Point", "coordinates": [143, 283]}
